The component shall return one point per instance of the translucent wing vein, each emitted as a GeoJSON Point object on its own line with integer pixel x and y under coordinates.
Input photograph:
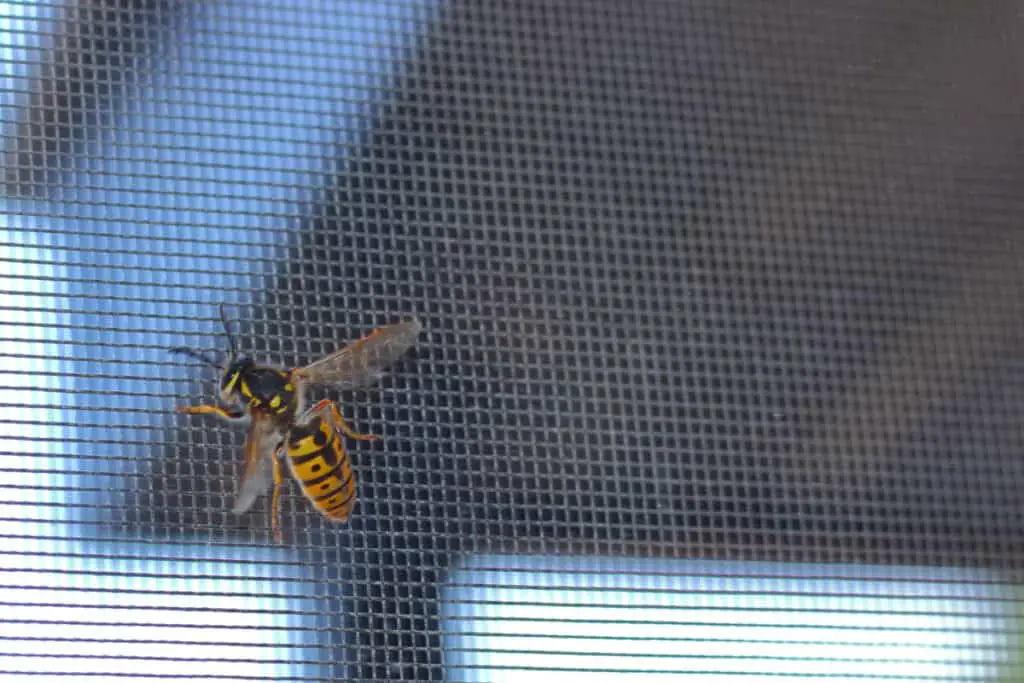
{"type": "Point", "coordinates": [364, 361]}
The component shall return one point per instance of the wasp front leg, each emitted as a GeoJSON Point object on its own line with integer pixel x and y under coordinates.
{"type": "Point", "coordinates": [230, 415]}
{"type": "Point", "coordinates": [329, 410]}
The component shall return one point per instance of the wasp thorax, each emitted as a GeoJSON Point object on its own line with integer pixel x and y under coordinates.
{"type": "Point", "coordinates": [258, 386]}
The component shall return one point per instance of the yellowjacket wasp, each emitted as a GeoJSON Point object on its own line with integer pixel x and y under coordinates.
{"type": "Point", "coordinates": [272, 399]}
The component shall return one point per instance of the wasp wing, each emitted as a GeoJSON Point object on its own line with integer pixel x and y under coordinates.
{"type": "Point", "coordinates": [362, 362]}
{"type": "Point", "coordinates": [261, 443]}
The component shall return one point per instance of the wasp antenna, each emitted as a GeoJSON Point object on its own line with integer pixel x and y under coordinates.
{"type": "Point", "coordinates": [192, 353]}
{"type": "Point", "coordinates": [227, 330]}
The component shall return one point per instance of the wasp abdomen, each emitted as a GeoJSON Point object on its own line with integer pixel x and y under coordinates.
{"type": "Point", "coordinates": [319, 463]}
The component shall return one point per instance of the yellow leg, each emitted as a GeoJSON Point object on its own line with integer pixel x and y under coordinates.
{"type": "Point", "coordinates": [275, 501]}
{"type": "Point", "coordinates": [339, 421]}
{"type": "Point", "coordinates": [214, 410]}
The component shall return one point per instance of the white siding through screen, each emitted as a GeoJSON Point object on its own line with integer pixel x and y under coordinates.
{"type": "Point", "coordinates": [589, 620]}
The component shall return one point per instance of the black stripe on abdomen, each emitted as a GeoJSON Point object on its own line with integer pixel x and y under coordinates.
{"type": "Point", "coordinates": [341, 506]}
{"type": "Point", "coordinates": [343, 484]}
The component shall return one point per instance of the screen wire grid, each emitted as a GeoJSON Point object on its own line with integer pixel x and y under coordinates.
{"type": "Point", "coordinates": [720, 377]}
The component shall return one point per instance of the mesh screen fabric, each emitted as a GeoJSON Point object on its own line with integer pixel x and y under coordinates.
{"type": "Point", "coordinates": [701, 281]}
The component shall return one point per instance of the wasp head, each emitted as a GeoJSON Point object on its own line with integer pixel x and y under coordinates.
{"type": "Point", "coordinates": [230, 381]}
{"type": "Point", "coordinates": [238, 365]}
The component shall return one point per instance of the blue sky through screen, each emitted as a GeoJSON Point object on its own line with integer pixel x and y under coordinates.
{"type": "Point", "coordinates": [183, 200]}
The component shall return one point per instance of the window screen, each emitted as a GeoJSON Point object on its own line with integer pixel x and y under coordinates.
{"type": "Point", "coordinates": [720, 376]}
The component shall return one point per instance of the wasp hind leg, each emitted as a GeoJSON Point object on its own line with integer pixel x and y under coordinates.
{"type": "Point", "coordinates": [329, 410]}
{"type": "Point", "coordinates": [231, 415]}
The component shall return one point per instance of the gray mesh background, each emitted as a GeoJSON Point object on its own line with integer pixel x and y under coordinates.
{"type": "Point", "coordinates": [723, 320]}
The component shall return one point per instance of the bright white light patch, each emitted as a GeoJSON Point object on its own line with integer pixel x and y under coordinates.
{"type": "Point", "coordinates": [30, 435]}
{"type": "Point", "coordinates": [149, 610]}
{"type": "Point", "coordinates": [593, 620]}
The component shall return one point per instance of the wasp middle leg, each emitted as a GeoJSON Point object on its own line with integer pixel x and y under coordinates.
{"type": "Point", "coordinates": [275, 499]}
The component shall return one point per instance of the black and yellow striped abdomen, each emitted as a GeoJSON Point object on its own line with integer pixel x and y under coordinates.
{"type": "Point", "coordinates": [317, 458]}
